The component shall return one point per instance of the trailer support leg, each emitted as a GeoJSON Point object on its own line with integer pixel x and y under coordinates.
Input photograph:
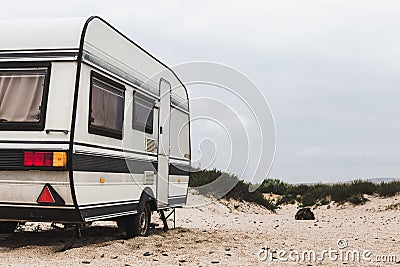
{"type": "Point", "coordinates": [163, 219]}
{"type": "Point", "coordinates": [169, 215]}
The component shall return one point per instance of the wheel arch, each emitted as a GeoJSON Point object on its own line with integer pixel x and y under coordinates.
{"type": "Point", "coordinates": [147, 196]}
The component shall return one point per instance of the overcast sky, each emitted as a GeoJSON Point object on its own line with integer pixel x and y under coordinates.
{"type": "Point", "coordinates": [329, 70]}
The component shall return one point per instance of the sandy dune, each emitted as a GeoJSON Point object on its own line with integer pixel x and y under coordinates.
{"type": "Point", "coordinates": [223, 233]}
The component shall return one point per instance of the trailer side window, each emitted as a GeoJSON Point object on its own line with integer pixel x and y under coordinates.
{"type": "Point", "coordinates": [23, 97]}
{"type": "Point", "coordinates": [106, 107]}
{"type": "Point", "coordinates": [143, 113]}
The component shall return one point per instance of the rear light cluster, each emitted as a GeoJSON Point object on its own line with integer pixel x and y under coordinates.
{"type": "Point", "coordinates": [45, 159]}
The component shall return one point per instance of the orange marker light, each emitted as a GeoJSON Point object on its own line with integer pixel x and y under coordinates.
{"type": "Point", "coordinates": [59, 159]}
{"type": "Point", "coordinates": [102, 180]}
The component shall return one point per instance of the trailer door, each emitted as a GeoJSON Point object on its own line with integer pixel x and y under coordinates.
{"type": "Point", "coordinates": [163, 143]}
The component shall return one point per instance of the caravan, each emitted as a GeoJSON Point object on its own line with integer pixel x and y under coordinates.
{"type": "Point", "coordinates": [92, 127]}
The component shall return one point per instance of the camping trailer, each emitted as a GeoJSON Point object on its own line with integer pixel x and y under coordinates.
{"type": "Point", "coordinates": [92, 127]}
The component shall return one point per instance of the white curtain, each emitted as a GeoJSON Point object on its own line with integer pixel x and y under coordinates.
{"type": "Point", "coordinates": [107, 106]}
{"type": "Point", "coordinates": [21, 95]}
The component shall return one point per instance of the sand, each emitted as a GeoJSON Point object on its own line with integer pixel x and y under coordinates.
{"type": "Point", "coordinates": [222, 233]}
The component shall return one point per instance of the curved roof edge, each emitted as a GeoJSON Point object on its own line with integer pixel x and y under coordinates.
{"type": "Point", "coordinates": [91, 18]}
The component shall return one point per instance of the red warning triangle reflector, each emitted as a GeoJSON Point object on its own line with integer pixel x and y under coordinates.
{"type": "Point", "coordinates": [46, 196]}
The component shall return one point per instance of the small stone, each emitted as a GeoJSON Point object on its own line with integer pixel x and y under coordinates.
{"type": "Point", "coordinates": [154, 259]}
{"type": "Point", "coordinates": [114, 257]}
{"type": "Point", "coordinates": [228, 254]}
{"type": "Point", "coordinates": [147, 253]}
{"type": "Point", "coordinates": [165, 254]}
{"type": "Point", "coordinates": [227, 249]}
{"type": "Point", "coordinates": [86, 262]}
{"type": "Point", "coordinates": [102, 255]}
{"type": "Point", "coordinates": [214, 261]}
{"type": "Point", "coordinates": [304, 214]}
{"type": "Point", "coordinates": [182, 260]}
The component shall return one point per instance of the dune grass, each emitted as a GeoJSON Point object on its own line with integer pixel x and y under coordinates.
{"type": "Point", "coordinates": [304, 195]}
{"type": "Point", "coordinates": [322, 194]}
{"type": "Point", "coordinates": [240, 191]}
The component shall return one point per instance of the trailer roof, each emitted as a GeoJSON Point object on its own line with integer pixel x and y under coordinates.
{"type": "Point", "coordinates": [99, 42]}
{"type": "Point", "coordinates": [32, 34]}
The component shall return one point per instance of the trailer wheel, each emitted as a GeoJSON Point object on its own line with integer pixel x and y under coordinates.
{"type": "Point", "coordinates": [140, 223]}
{"type": "Point", "coordinates": [7, 227]}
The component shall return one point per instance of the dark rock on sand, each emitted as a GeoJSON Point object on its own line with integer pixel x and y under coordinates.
{"type": "Point", "coordinates": [304, 214]}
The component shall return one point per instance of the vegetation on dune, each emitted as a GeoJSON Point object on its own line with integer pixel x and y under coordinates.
{"type": "Point", "coordinates": [240, 190]}
{"type": "Point", "coordinates": [323, 194]}
{"type": "Point", "coordinates": [304, 195]}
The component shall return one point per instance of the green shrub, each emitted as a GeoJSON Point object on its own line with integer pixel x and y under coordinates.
{"type": "Point", "coordinates": [240, 190]}
{"type": "Point", "coordinates": [325, 201]}
{"type": "Point", "coordinates": [305, 195]}
{"type": "Point", "coordinates": [200, 177]}
{"type": "Point", "coordinates": [364, 187]}
{"type": "Point", "coordinates": [274, 186]}
{"type": "Point", "coordinates": [308, 200]}
{"type": "Point", "coordinates": [388, 189]}
{"type": "Point", "coordinates": [357, 199]}
{"type": "Point", "coordinates": [286, 199]}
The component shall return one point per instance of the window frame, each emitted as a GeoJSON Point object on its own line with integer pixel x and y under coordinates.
{"type": "Point", "coordinates": [101, 130]}
{"type": "Point", "coordinates": [29, 126]}
{"type": "Point", "coordinates": [135, 124]}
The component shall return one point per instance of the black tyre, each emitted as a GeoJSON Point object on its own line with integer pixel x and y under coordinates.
{"type": "Point", "coordinates": [139, 224]}
{"type": "Point", "coordinates": [7, 227]}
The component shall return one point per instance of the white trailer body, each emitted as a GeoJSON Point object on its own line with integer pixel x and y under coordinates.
{"type": "Point", "coordinates": [92, 127]}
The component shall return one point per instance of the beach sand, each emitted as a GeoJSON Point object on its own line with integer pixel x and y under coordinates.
{"type": "Point", "coordinates": [222, 233]}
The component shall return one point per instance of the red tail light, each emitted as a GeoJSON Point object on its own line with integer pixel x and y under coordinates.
{"type": "Point", "coordinates": [45, 159]}
{"type": "Point", "coordinates": [38, 159]}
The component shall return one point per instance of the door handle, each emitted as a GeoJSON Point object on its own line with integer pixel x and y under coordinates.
{"type": "Point", "coordinates": [161, 130]}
